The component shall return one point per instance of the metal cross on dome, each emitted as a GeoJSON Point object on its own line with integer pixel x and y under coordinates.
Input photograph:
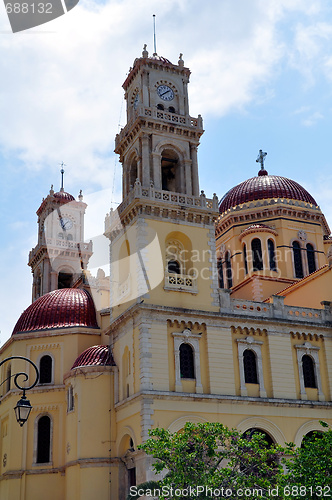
{"type": "Point", "coordinates": [261, 158]}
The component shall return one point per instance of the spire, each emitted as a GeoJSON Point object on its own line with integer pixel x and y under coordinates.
{"type": "Point", "coordinates": [62, 164]}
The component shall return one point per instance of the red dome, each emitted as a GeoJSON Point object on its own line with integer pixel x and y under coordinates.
{"type": "Point", "coordinates": [98, 355]}
{"type": "Point", "coordinates": [263, 187]}
{"type": "Point", "coordinates": [63, 308]}
{"type": "Point", "coordinates": [64, 196]}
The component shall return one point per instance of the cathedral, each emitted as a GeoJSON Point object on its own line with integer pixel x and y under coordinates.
{"type": "Point", "coordinates": [213, 311]}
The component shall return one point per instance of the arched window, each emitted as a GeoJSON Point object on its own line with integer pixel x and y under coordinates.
{"type": "Point", "coordinates": [187, 369]}
{"type": "Point", "coordinates": [272, 257]}
{"type": "Point", "coordinates": [133, 173]}
{"type": "Point", "coordinates": [267, 438]}
{"type": "Point", "coordinates": [171, 109]}
{"type": "Point", "coordinates": [43, 440]}
{"type": "Point", "coordinates": [308, 367]}
{"type": "Point", "coordinates": [257, 257]}
{"type": "Point", "coordinates": [250, 367]}
{"type": "Point", "coordinates": [229, 273]}
{"type": "Point", "coordinates": [160, 106]}
{"type": "Point", "coordinates": [298, 268]}
{"type": "Point", "coordinates": [311, 258]}
{"type": "Point", "coordinates": [245, 258]}
{"type": "Point", "coordinates": [169, 171]}
{"type": "Point", "coordinates": [60, 235]}
{"type": "Point", "coordinates": [70, 399]}
{"type": "Point", "coordinates": [8, 378]}
{"type": "Point", "coordinates": [45, 369]}
{"type": "Point", "coordinates": [64, 280]}
{"type": "Point", "coordinates": [220, 273]}
{"type": "Point", "coordinates": [173, 266]}
{"type": "Point", "coordinates": [69, 237]}
{"type": "Point", "coordinates": [311, 437]}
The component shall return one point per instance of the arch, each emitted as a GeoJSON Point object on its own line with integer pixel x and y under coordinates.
{"type": "Point", "coordinates": [253, 430]}
{"type": "Point", "coordinates": [180, 422]}
{"type": "Point", "coordinates": [311, 258]}
{"type": "Point", "coordinates": [229, 272]}
{"type": "Point", "coordinates": [160, 106]}
{"type": "Point", "coordinates": [312, 425]}
{"type": "Point", "coordinates": [187, 363]}
{"type": "Point", "coordinates": [171, 109]}
{"type": "Point", "coordinates": [124, 442]}
{"type": "Point", "coordinates": [297, 260]}
{"type": "Point", "coordinates": [8, 377]}
{"type": "Point", "coordinates": [257, 255]}
{"type": "Point", "coordinates": [46, 368]}
{"type": "Point", "coordinates": [272, 255]}
{"type": "Point", "coordinates": [65, 279]}
{"type": "Point", "coordinates": [132, 172]}
{"type": "Point", "coordinates": [220, 273]}
{"type": "Point", "coordinates": [244, 251]}
{"type": "Point", "coordinates": [173, 266]}
{"type": "Point", "coordinates": [309, 372]}
{"type": "Point", "coordinates": [43, 439]}
{"type": "Point", "coordinates": [170, 171]}
{"type": "Point", "coordinates": [250, 367]}
{"type": "Point", "coordinates": [266, 426]}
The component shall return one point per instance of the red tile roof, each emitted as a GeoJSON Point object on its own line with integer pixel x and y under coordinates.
{"type": "Point", "coordinates": [264, 187]}
{"type": "Point", "coordinates": [63, 308]}
{"type": "Point", "coordinates": [63, 195]}
{"type": "Point", "coordinates": [98, 355]}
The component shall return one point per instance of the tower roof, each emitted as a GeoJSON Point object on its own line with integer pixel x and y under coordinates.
{"type": "Point", "coordinates": [65, 308]}
{"type": "Point", "coordinates": [98, 355]}
{"type": "Point", "coordinates": [263, 187]}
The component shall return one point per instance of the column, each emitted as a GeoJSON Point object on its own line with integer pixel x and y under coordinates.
{"type": "Point", "coordinates": [145, 161]}
{"type": "Point", "coordinates": [194, 170]}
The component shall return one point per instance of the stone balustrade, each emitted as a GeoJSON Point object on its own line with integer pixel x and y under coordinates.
{"type": "Point", "coordinates": [277, 309]}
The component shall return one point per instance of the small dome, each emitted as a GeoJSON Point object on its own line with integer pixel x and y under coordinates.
{"type": "Point", "coordinates": [64, 196]}
{"type": "Point", "coordinates": [98, 355]}
{"type": "Point", "coordinates": [263, 187]}
{"type": "Point", "coordinates": [65, 308]}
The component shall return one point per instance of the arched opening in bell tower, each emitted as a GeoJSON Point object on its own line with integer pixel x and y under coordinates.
{"type": "Point", "coordinates": [65, 280]}
{"type": "Point", "coordinates": [170, 175]}
{"type": "Point", "coordinates": [133, 173]}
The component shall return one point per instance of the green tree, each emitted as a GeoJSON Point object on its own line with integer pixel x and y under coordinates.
{"type": "Point", "coordinates": [214, 457]}
{"type": "Point", "coordinates": [309, 468]}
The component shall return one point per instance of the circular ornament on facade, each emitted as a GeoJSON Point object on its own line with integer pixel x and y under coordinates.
{"type": "Point", "coordinates": [302, 235]}
{"type": "Point", "coordinates": [165, 92]}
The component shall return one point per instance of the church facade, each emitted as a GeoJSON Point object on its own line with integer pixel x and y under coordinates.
{"type": "Point", "coordinates": [212, 312]}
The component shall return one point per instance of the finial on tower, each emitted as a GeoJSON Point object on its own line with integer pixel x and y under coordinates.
{"type": "Point", "coordinates": [260, 159]}
{"type": "Point", "coordinates": [80, 196]}
{"type": "Point", "coordinates": [51, 190]}
{"type": "Point", "coordinates": [181, 61]}
{"type": "Point", "coordinates": [62, 164]}
{"type": "Point", "coordinates": [145, 53]}
{"type": "Point", "coordinates": [154, 35]}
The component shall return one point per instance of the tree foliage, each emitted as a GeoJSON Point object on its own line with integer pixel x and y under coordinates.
{"type": "Point", "coordinates": [222, 460]}
{"type": "Point", "coordinates": [310, 467]}
{"type": "Point", "coordinates": [216, 457]}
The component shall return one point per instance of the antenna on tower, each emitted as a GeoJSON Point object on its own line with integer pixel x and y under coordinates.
{"type": "Point", "coordinates": [154, 35]}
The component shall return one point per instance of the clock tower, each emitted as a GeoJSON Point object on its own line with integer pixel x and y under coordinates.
{"type": "Point", "coordinates": [61, 254]}
{"type": "Point", "coordinates": [158, 146]}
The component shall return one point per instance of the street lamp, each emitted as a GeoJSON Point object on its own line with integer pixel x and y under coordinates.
{"type": "Point", "coordinates": [23, 406]}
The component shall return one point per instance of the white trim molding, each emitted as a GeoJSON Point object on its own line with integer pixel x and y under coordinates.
{"type": "Point", "coordinates": [187, 337]}
{"type": "Point", "coordinates": [308, 349]}
{"type": "Point", "coordinates": [255, 346]}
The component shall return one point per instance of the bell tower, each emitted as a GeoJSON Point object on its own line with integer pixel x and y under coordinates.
{"type": "Point", "coordinates": [158, 146]}
{"type": "Point", "coordinates": [61, 254]}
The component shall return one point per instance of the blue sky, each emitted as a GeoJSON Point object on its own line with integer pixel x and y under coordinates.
{"type": "Point", "coordinates": [261, 78]}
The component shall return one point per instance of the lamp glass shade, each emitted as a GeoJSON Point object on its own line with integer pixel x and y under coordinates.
{"type": "Point", "coordinates": [22, 410]}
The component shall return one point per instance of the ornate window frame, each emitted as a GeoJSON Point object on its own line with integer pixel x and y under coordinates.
{"type": "Point", "coordinates": [255, 346]}
{"type": "Point", "coordinates": [310, 350]}
{"type": "Point", "coordinates": [187, 337]}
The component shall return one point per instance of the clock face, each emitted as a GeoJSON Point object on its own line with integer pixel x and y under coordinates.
{"type": "Point", "coordinates": [136, 101]}
{"type": "Point", "coordinates": [66, 223]}
{"type": "Point", "coordinates": [165, 92]}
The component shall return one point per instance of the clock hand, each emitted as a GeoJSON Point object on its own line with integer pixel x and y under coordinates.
{"type": "Point", "coordinates": [164, 92]}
